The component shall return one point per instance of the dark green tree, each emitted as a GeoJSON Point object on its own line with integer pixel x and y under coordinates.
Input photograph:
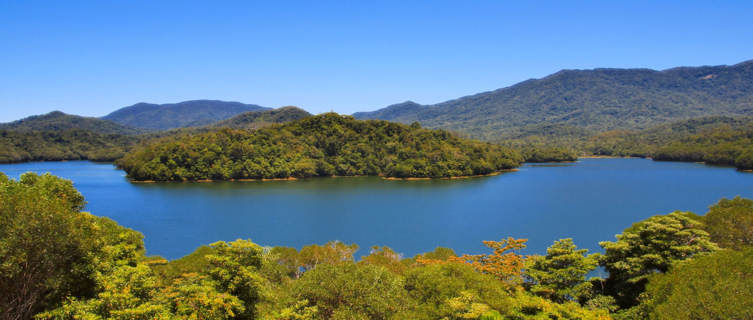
{"type": "Point", "coordinates": [648, 247]}
{"type": "Point", "coordinates": [730, 223]}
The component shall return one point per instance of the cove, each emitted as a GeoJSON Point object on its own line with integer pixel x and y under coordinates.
{"type": "Point", "coordinates": [590, 201]}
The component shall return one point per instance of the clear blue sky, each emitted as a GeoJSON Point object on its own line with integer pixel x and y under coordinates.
{"type": "Point", "coordinates": [90, 58]}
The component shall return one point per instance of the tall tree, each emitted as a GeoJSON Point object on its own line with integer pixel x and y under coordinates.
{"type": "Point", "coordinates": [561, 274]}
{"type": "Point", "coordinates": [648, 247]}
{"type": "Point", "coordinates": [730, 223]}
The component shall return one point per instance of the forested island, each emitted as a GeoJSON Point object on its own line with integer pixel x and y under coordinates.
{"type": "Point", "coordinates": [75, 265]}
{"type": "Point", "coordinates": [322, 145]}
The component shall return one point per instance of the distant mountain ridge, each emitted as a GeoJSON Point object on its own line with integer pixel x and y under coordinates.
{"type": "Point", "coordinates": [597, 99]}
{"type": "Point", "coordinates": [258, 119]}
{"type": "Point", "coordinates": [58, 121]}
{"type": "Point", "coordinates": [177, 115]}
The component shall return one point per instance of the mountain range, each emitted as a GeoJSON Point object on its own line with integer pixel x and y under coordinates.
{"type": "Point", "coordinates": [58, 121]}
{"type": "Point", "coordinates": [192, 113]}
{"type": "Point", "coordinates": [595, 100]}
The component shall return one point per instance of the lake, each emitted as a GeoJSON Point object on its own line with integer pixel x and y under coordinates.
{"type": "Point", "coordinates": [589, 201]}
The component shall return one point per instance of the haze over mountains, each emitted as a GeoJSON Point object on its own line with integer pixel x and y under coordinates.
{"type": "Point", "coordinates": [58, 121]}
{"type": "Point", "coordinates": [596, 100]}
{"type": "Point", "coordinates": [192, 113]}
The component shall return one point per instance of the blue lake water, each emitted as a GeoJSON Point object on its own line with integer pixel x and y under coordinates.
{"type": "Point", "coordinates": [589, 201]}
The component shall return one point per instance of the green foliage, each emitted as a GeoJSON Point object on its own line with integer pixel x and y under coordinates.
{"type": "Point", "coordinates": [196, 262]}
{"type": "Point", "coordinates": [648, 247]}
{"type": "Point", "coordinates": [75, 144]}
{"type": "Point", "coordinates": [730, 223]}
{"type": "Point", "coordinates": [49, 250]}
{"type": "Point", "coordinates": [323, 145]}
{"type": "Point", "coordinates": [385, 257]}
{"type": "Point", "coordinates": [234, 266]}
{"type": "Point", "coordinates": [433, 288]}
{"type": "Point", "coordinates": [548, 154]}
{"type": "Point", "coordinates": [60, 263]}
{"type": "Point", "coordinates": [722, 145]}
{"type": "Point", "coordinates": [352, 291]}
{"type": "Point", "coordinates": [716, 286]}
{"type": "Point", "coordinates": [194, 297]}
{"type": "Point", "coordinates": [561, 275]}
{"type": "Point", "coordinates": [259, 119]}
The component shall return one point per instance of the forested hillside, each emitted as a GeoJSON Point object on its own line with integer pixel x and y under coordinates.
{"type": "Point", "coordinates": [177, 115]}
{"type": "Point", "coordinates": [20, 146]}
{"type": "Point", "coordinates": [67, 264]}
{"type": "Point", "coordinates": [58, 121]}
{"type": "Point", "coordinates": [258, 119]}
{"type": "Point", "coordinates": [322, 145]}
{"type": "Point", "coordinates": [596, 100]}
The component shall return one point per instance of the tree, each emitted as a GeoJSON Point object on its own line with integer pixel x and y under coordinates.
{"type": "Point", "coordinates": [352, 291]}
{"type": "Point", "coordinates": [333, 252]}
{"type": "Point", "coordinates": [193, 296]}
{"type": "Point", "coordinates": [49, 250]}
{"type": "Point", "coordinates": [234, 267]}
{"type": "Point", "coordinates": [450, 289]}
{"type": "Point", "coordinates": [648, 247]}
{"type": "Point", "coordinates": [385, 257]}
{"type": "Point", "coordinates": [716, 286]}
{"type": "Point", "coordinates": [504, 263]}
{"type": "Point", "coordinates": [126, 293]}
{"type": "Point", "coordinates": [730, 223]}
{"type": "Point", "coordinates": [561, 275]}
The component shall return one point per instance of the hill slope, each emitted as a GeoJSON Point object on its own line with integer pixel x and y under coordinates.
{"type": "Point", "coordinates": [597, 100]}
{"type": "Point", "coordinates": [75, 144]}
{"type": "Point", "coordinates": [322, 145]}
{"type": "Point", "coordinates": [178, 115]}
{"type": "Point", "coordinates": [258, 119]}
{"type": "Point", "coordinates": [58, 121]}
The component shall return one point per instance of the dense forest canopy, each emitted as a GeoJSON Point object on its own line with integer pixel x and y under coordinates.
{"type": "Point", "coordinates": [19, 146]}
{"type": "Point", "coordinates": [713, 140]}
{"type": "Point", "coordinates": [322, 145]}
{"type": "Point", "coordinates": [258, 119]}
{"type": "Point", "coordinates": [78, 266]}
{"type": "Point", "coordinates": [597, 100]}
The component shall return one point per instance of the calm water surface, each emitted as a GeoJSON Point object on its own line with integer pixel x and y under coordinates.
{"type": "Point", "coordinates": [590, 201]}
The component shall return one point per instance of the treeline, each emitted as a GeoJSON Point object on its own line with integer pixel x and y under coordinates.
{"type": "Point", "coordinates": [322, 145]}
{"type": "Point", "coordinates": [713, 140]}
{"type": "Point", "coordinates": [724, 146]}
{"type": "Point", "coordinates": [21, 146]}
{"type": "Point", "coordinates": [78, 266]}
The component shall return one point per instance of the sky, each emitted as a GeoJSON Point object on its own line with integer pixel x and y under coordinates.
{"type": "Point", "coordinates": [91, 58]}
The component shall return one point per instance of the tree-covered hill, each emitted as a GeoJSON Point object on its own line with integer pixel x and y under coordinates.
{"type": "Point", "coordinates": [258, 119]}
{"type": "Point", "coordinates": [59, 121]}
{"type": "Point", "coordinates": [177, 115]}
{"type": "Point", "coordinates": [21, 146]}
{"type": "Point", "coordinates": [596, 100]}
{"type": "Point", "coordinates": [322, 145]}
